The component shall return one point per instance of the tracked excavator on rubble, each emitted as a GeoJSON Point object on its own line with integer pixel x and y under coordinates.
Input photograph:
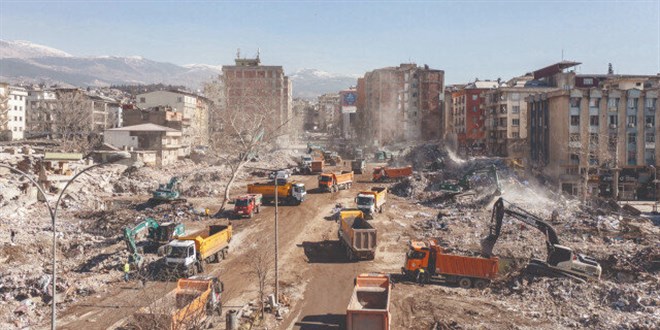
{"type": "Point", "coordinates": [464, 184]}
{"type": "Point", "coordinates": [158, 234]}
{"type": "Point", "coordinates": [561, 260]}
{"type": "Point", "coordinates": [168, 193]}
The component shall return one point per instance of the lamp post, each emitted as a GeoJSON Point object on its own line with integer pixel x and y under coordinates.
{"type": "Point", "coordinates": [655, 188]}
{"type": "Point", "coordinates": [53, 216]}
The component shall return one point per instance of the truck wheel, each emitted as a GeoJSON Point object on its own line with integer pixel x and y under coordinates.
{"type": "Point", "coordinates": [465, 283]}
{"type": "Point", "coordinates": [224, 254]}
{"type": "Point", "coordinates": [480, 284]}
{"type": "Point", "coordinates": [217, 257]}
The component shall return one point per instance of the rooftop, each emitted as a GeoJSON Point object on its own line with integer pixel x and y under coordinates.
{"type": "Point", "coordinates": [144, 128]}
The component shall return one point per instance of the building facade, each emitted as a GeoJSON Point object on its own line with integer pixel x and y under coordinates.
{"type": "Point", "coordinates": [595, 134]}
{"type": "Point", "coordinates": [146, 139]}
{"type": "Point", "coordinates": [13, 103]}
{"type": "Point", "coordinates": [250, 86]}
{"type": "Point", "coordinates": [469, 117]}
{"type": "Point", "coordinates": [401, 104]}
{"type": "Point", "coordinates": [193, 108]}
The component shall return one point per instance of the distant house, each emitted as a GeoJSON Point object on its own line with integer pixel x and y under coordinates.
{"type": "Point", "coordinates": [153, 144]}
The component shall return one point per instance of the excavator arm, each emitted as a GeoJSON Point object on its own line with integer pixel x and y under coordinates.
{"type": "Point", "coordinates": [499, 210]}
{"type": "Point", "coordinates": [129, 238]}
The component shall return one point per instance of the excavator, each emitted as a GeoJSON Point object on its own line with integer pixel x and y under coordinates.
{"type": "Point", "coordinates": [168, 193]}
{"type": "Point", "coordinates": [464, 185]}
{"type": "Point", "coordinates": [561, 260]}
{"type": "Point", "coordinates": [156, 233]}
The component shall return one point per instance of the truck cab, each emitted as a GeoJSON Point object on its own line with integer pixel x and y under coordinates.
{"type": "Point", "coordinates": [181, 254]}
{"type": "Point", "coordinates": [417, 258]}
{"type": "Point", "coordinates": [366, 203]}
{"type": "Point", "coordinates": [299, 191]}
{"type": "Point", "coordinates": [306, 160]}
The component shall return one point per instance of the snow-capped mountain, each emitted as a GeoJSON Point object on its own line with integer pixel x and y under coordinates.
{"type": "Point", "coordinates": [25, 62]}
{"type": "Point", "coordinates": [26, 49]}
{"type": "Point", "coordinates": [309, 83]}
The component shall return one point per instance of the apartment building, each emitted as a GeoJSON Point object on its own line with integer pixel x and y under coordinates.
{"type": "Point", "coordinates": [194, 109]}
{"type": "Point", "coordinates": [13, 102]}
{"type": "Point", "coordinates": [250, 86]}
{"type": "Point", "coordinates": [506, 118]}
{"type": "Point", "coordinates": [469, 116]}
{"type": "Point", "coordinates": [153, 144]}
{"type": "Point", "coordinates": [400, 104]}
{"type": "Point", "coordinates": [595, 134]}
{"type": "Point", "coordinates": [52, 111]}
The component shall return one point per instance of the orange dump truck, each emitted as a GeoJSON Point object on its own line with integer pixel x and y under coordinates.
{"type": "Point", "coordinates": [335, 181]}
{"type": "Point", "coordinates": [369, 307]}
{"type": "Point", "coordinates": [427, 260]}
{"type": "Point", "coordinates": [189, 306]}
{"type": "Point", "coordinates": [391, 173]}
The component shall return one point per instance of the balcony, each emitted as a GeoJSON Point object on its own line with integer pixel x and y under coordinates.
{"type": "Point", "coordinates": [613, 126]}
{"type": "Point", "coordinates": [632, 125]}
{"type": "Point", "coordinates": [575, 144]}
{"type": "Point", "coordinates": [649, 145]}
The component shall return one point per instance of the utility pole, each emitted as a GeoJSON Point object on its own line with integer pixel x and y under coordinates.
{"type": "Point", "coordinates": [277, 282]}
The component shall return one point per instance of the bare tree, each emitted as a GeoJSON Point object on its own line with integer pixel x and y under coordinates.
{"type": "Point", "coordinates": [71, 119]}
{"type": "Point", "coordinates": [261, 266]}
{"type": "Point", "coordinates": [4, 112]}
{"type": "Point", "coordinates": [245, 119]}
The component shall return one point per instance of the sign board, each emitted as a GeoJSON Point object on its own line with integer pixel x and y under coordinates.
{"type": "Point", "coordinates": [348, 101]}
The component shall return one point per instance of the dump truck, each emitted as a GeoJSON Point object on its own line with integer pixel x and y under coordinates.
{"type": "Point", "coordinates": [333, 182]}
{"type": "Point", "coordinates": [247, 205]}
{"type": "Point", "coordinates": [369, 306]}
{"type": "Point", "coordinates": [428, 260]}
{"type": "Point", "coordinates": [382, 174]}
{"type": "Point", "coordinates": [189, 306]}
{"type": "Point", "coordinates": [359, 166]}
{"type": "Point", "coordinates": [317, 166]}
{"type": "Point", "coordinates": [290, 193]}
{"type": "Point", "coordinates": [356, 235]}
{"type": "Point", "coordinates": [371, 201]}
{"type": "Point", "coordinates": [187, 254]}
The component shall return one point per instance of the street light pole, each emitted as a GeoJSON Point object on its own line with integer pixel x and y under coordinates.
{"type": "Point", "coordinates": [277, 282]}
{"type": "Point", "coordinates": [53, 217]}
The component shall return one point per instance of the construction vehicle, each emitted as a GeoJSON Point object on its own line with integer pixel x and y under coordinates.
{"type": "Point", "coordinates": [359, 166]}
{"type": "Point", "coordinates": [465, 183]}
{"type": "Point", "coordinates": [332, 158]}
{"type": "Point", "coordinates": [190, 306]}
{"type": "Point", "coordinates": [306, 164]}
{"type": "Point", "coordinates": [369, 306]}
{"type": "Point", "coordinates": [333, 182]}
{"type": "Point", "coordinates": [382, 155]}
{"type": "Point", "coordinates": [560, 261]}
{"type": "Point", "coordinates": [371, 201]}
{"type": "Point", "coordinates": [168, 193]}
{"type": "Point", "coordinates": [186, 254]}
{"type": "Point", "coordinates": [247, 205]}
{"type": "Point", "coordinates": [357, 235]}
{"type": "Point", "coordinates": [290, 193]}
{"type": "Point", "coordinates": [157, 234]}
{"type": "Point", "coordinates": [429, 260]}
{"type": "Point", "coordinates": [383, 174]}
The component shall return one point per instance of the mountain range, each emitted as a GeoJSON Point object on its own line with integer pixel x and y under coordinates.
{"type": "Point", "coordinates": [23, 62]}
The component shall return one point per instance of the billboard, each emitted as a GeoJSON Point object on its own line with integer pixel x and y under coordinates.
{"type": "Point", "coordinates": [348, 101]}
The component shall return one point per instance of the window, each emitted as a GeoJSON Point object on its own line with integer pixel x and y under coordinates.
{"type": "Point", "coordinates": [632, 121]}
{"type": "Point", "coordinates": [574, 159]}
{"type": "Point", "coordinates": [632, 103]}
{"type": "Point", "coordinates": [593, 139]}
{"type": "Point", "coordinates": [515, 109]}
{"type": "Point", "coordinates": [515, 96]}
{"type": "Point", "coordinates": [179, 99]}
{"type": "Point", "coordinates": [613, 103]}
{"type": "Point", "coordinates": [649, 103]}
{"type": "Point", "coordinates": [143, 99]}
{"type": "Point", "coordinates": [594, 102]}
{"type": "Point", "coordinates": [614, 120]}
{"type": "Point", "coordinates": [515, 135]}
{"type": "Point", "coordinates": [15, 118]}
{"type": "Point", "coordinates": [574, 137]}
{"type": "Point", "coordinates": [588, 81]}
{"type": "Point", "coordinates": [474, 108]}
{"type": "Point", "coordinates": [515, 122]}
{"type": "Point", "coordinates": [575, 102]}
{"type": "Point", "coordinates": [649, 137]}
{"type": "Point", "coordinates": [632, 157]}
{"type": "Point", "coordinates": [575, 120]}
{"type": "Point", "coordinates": [650, 121]}
{"type": "Point", "coordinates": [632, 138]}
{"type": "Point", "coordinates": [593, 120]}
{"type": "Point", "coordinates": [474, 97]}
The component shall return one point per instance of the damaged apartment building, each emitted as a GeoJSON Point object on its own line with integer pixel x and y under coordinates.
{"type": "Point", "coordinates": [595, 134]}
{"type": "Point", "coordinates": [194, 110]}
{"type": "Point", "coordinates": [399, 104]}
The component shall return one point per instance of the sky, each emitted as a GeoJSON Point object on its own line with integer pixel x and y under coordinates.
{"type": "Point", "coordinates": [466, 39]}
